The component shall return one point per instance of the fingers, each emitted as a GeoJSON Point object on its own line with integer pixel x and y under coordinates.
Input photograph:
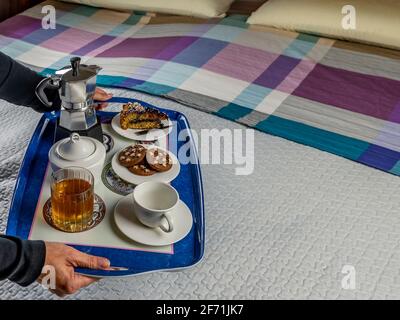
{"type": "Point", "coordinates": [59, 293]}
{"type": "Point", "coordinates": [88, 261]}
{"type": "Point", "coordinates": [101, 95]}
{"type": "Point", "coordinates": [64, 259]}
{"type": "Point", "coordinates": [76, 283]}
{"type": "Point", "coordinates": [101, 106]}
{"type": "Point", "coordinates": [83, 281]}
{"type": "Point", "coordinates": [100, 91]}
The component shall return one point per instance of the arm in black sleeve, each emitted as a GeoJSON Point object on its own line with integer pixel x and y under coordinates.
{"type": "Point", "coordinates": [18, 84]}
{"type": "Point", "coordinates": [21, 261]}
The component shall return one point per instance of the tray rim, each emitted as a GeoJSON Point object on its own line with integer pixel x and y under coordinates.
{"type": "Point", "coordinates": [21, 181]}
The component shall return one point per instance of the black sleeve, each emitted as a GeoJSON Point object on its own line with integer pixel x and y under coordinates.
{"type": "Point", "coordinates": [21, 261]}
{"type": "Point", "coordinates": [18, 84]}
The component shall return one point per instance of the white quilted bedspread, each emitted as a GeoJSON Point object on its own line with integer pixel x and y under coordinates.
{"type": "Point", "coordinates": [284, 232]}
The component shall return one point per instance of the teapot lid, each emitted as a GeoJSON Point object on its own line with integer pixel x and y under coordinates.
{"type": "Point", "coordinates": [75, 147]}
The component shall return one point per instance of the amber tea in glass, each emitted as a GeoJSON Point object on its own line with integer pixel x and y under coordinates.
{"type": "Point", "coordinates": [72, 199]}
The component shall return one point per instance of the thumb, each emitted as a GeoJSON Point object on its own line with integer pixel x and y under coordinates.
{"type": "Point", "coordinates": [101, 106]}
{"type": "Point", "coordinates": [88, 261]}
{"type": "Point", "coordinates": [101, 95]}
{"type": "Point", "coordinates": [83, 281]}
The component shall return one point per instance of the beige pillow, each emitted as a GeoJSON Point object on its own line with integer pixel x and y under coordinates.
{"type": "Point", "coordinates": [377, 21]}
{"type": "Point", "coordinates": [196, 8]}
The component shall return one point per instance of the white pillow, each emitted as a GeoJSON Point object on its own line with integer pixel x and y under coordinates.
{"type": "Point", "coordinates": [377, 21]}
{"type": "Point", "coordinates": [196, 8]}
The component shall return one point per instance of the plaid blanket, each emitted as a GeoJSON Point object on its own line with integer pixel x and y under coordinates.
{"type": "Point", "coordinates": [339, 97]}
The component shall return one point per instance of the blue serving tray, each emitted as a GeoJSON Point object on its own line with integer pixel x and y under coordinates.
{"type": "Point", "coordinates": [187, 252]}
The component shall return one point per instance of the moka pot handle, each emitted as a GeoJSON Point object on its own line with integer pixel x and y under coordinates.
{"type": "Point", "coordinates": [52, 83]}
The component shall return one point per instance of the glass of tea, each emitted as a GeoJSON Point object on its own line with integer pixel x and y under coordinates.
{"type": "Point", "coordinates": [72, 198]}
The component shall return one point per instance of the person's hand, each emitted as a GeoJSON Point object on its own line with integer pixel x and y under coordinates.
{"type": "Point", "coordinates": [101, 95]}
{"type": "Point", "coordinates": [64, 259]}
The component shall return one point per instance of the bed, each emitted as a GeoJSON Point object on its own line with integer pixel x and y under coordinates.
{"type": "Point", "coordinates": [290, 229]}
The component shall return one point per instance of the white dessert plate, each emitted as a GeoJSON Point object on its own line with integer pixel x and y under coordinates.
{"type": "Point", "coordinates": [130, 177]}
{"type": "Point", "coordinates": [129, 225]}
{"type": "Point", "coordinates": [152, 135]}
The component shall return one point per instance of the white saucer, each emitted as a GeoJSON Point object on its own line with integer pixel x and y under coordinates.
{"type": "Point", "coordinates": [127, 222]}
{"type": "Point", "coordinates": [152, 135]}
{"type": "Point", "coordinates": [128, 176]}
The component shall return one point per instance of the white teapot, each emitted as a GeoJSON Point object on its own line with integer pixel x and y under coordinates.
{"type": "Point", "coordinates": [78, 151]}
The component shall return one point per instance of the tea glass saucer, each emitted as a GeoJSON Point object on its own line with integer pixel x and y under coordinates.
{"type": "Point", "coordinates": [99, 212]}
{"type": "Point", "coordinates": [130, 226]}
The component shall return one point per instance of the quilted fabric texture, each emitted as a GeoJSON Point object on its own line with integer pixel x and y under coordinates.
{"type": "Point", "coordinates": [284, 232]}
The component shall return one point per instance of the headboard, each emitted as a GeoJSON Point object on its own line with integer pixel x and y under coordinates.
{"type": "Point", "coordinates": [9, 8]}
{"type": "Point", "coordinates": [245, 6]}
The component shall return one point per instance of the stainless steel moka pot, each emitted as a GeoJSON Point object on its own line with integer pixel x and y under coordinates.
{"type": "Point", "coordinates": [76, 85]}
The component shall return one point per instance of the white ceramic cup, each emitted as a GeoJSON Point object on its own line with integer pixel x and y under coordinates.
{"type": "Point", "coordinates": [154, 203]}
